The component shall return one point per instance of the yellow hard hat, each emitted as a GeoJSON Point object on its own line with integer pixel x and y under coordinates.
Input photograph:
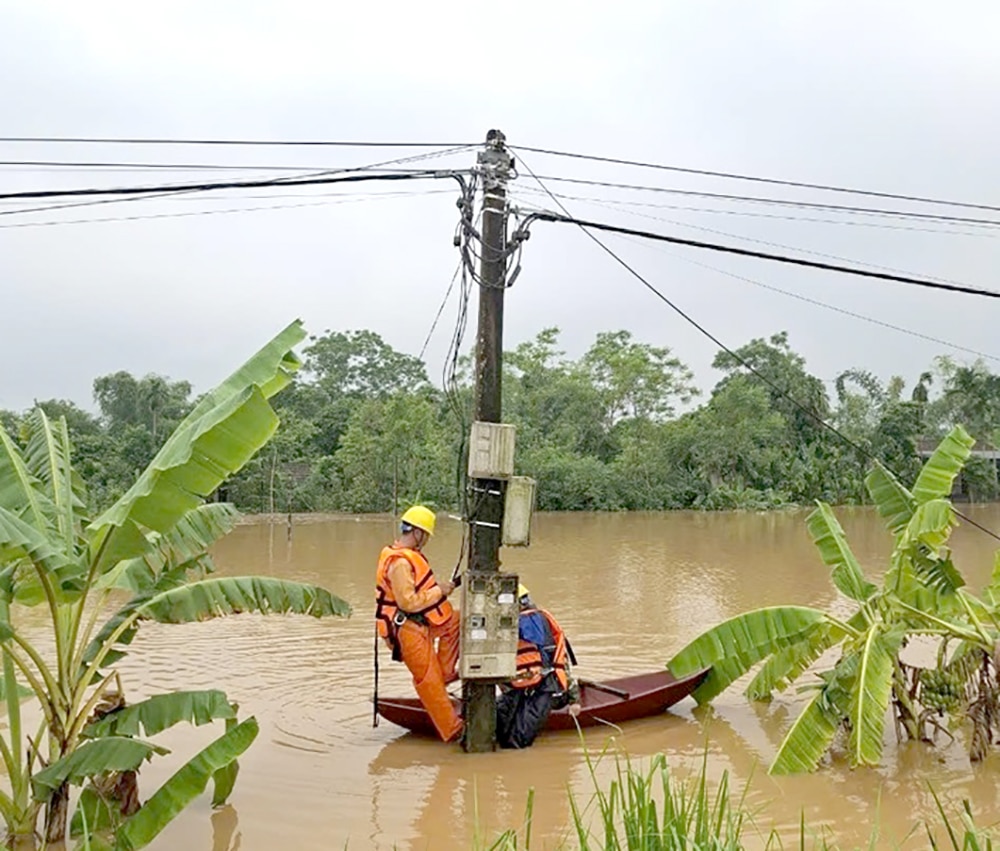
{"type": "Point", "coordinates": [522, 591]}
{"type": "Point", "coordinates": [421, 517]}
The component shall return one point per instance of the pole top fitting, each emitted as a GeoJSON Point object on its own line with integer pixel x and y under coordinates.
{"type": "Point", "coordinates": [494, 162]}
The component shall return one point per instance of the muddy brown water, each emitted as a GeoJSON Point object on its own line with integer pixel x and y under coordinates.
{"type": "Point", "coordinates": [630, 590]}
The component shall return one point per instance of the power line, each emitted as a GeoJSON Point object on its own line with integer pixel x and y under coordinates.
{"type": "Point", "coordinates": [828, 306]}
{"type": "Point", "coordinates": [798, 296]}
{"type": "Point", "coordinates": [263, 208]}
{"type": "Point", "coordinates": [147, 193]}
{"type": "Point", "coordinates": [81, 140]}
{"type": "Point", "coordinates": [547, 151]}
{"type": "Point", "coordinates": [228, 184]}
{"type": "Point", "coordinates": [83, 165]}
{"type": "Point", "coordinates": [756, 179]}
{"type": "Point", "coordinates": [86, 165]}
{"type": "Point", "coordinates": [73, 205]}
{"type": "Point", "coordinates": [769, 243]}
{"type": "Point", "coordinates": [756, 199]}
{"type": "Point", "coordinates": [981, 233]}
{"type": "Point", "coordinates": [807, 299]}
{"type": "Point", "coordinates": [740, 360]}
{"type": "Point", "coordinates": [444, 301]}
{"type": "Point", "coordinates": [278, 181]}
{"type": "Point", "coordinates": [760, 255]}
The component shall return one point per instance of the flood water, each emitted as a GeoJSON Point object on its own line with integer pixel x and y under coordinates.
{"type": "Point", "coordinates": [629, 589]}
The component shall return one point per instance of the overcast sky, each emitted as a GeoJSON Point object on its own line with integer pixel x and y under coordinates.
{"type": "Point", "coordinates": [897, 97]}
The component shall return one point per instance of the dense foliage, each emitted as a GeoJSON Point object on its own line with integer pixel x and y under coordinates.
{"type": "Point", "coordinates": [622, 427]}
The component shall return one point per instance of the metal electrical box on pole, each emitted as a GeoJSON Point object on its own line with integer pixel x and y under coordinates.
{"type": "Point", "coordinates": [490, 611]}
{"type": "Point", "coordinates": [518, 509]}
{"type": "Point", "coordinates": [486, 496]}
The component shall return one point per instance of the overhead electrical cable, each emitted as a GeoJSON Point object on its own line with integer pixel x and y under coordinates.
{"type": "Point", "coordinates": [981, 231]}
{"type": "Point", "coordinates": [328, 201]}
{"type": "Point", "coordinates": [799, 296]}
{"type": "Point", "coordinates": [781, 202]}
{"type": "Point", "coordinates": [301, 178]}
{"type": "Point", "coordinates": [757, 179]}
{"type": "Point", "coordinates": [772, 244]}
{"type": "Point", "coordinates": [83, 165]}
{"type": "Point", "coordinates": [224, 184]}
{"type": "Point", "coordinates": [437, 317]}
{"type": "Point", "coordinates": [728, 175]}
{"type": "Point", "coordinates": [760, 255]}
{"type": "Point", "coordinates": [261, 143]}
{"type": "Point", "coordinates": [568, 218]}
{"type": "Point", "coordinates": [871, 319]}
{"type": "Point", "coordinates": [91, 165]}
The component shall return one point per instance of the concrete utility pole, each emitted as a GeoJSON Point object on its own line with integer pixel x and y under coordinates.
{"type": "Point", "coordinates": [479, 698]}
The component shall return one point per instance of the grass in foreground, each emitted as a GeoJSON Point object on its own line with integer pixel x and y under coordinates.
{"type": "Point", "coordinates": [651, 810]}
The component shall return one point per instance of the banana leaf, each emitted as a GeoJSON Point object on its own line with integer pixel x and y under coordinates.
{"type": "Point", "coordinates": [938, 475]}
{"type": "Point", "coordinates": [18, 539]}
{"type": "Point", "coordinates": [922, 545]}
{"type": "Point", "coordinates": [225, 430]}
{"type": "Point", "coordinates": [870, 695]}
{"type": "Point", "coordinates": [48, 456]}
{"type": "Point", "coordinates": [734, 646]}
{"type": "Point", "coordinates": [808, 739]}
{"type": "Point", "coordinates": [21, 492]}
{"type": "Point", "coordinates": [894, 502]}
{"type": "Point", "coordinates": [217, 597]}
{"type": "Point", "coordinates": [184, 786]}
{"type": "Point", "coordinates": [156, 714]}
{"type": "Point", "coordinates": [785, 666]}
{"type": "Point", "coordinates": [829, 538]}
{"type": "Point", "coordinates": [814, 730]}
{"type": "Point", "coordinates": [931, 525]}
{"type": "Point", "coordinates": [224, 778]}
{"type": "Point", "coordinates": [992, 591]}
{"type": "Point", "coordinates": [183, 544]}
{"type": "Point", "coordinates": [939, 575]}
{"type": "Point", "coordinates": [90, 759]}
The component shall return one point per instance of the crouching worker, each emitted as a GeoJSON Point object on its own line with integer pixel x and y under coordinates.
{"type": "Point", "coordinates": [412, 611]}
{"type": "Point", "coordinates": [544, 680]}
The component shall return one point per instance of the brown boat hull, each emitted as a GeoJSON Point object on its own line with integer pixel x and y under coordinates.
{"type": "Point", "coordinates": [607, 702]}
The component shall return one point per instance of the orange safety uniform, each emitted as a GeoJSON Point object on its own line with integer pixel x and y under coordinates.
{"type": "Point", "coordinates": [531, 669]}
{"type": "Point", "coordinates": [411, 612]}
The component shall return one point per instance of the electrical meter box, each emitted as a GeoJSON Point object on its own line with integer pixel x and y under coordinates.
{"type": "Point", "coordinates": [491, 451]}
{"type": "Point", "coordinates": [519, 506]}
{"type": "Point", "coordinates": [488, 642]}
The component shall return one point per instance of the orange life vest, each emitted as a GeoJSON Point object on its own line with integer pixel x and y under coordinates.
{"type": "Point", "coordinates": [388, 615]}
{"type": "Point", "coordinates": [531, 668]}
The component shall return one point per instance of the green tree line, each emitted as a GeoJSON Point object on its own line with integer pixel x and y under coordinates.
{"type": "Point", "coordinates": [621, 428]}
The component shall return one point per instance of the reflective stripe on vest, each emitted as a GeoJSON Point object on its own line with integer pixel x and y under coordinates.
{"type": "Point", "coordinates": [386, 607]}
{"type": "Point", "coordinates": [530, 662]}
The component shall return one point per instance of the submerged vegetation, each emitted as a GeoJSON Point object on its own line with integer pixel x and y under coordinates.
{"type": "Point", "coordinates": [95, 580]}
{"type": "Point", "coordinates": [621, 427]}
{"type": "Point", "coordinates": [922, 596]}
{"type": "Point", "coordinates": [650, 809]}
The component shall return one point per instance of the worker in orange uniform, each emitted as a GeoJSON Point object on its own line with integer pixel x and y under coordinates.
{"type": "Point", "coordinates": [412, 611]}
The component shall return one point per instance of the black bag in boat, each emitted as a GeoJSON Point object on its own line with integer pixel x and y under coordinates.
{"type": "Point", "coordinates": [521, 715]}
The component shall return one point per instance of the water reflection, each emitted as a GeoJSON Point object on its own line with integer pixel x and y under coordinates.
{"type": "Point", "coordinates": [225, 836]}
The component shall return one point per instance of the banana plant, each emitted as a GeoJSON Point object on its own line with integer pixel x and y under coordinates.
{"type": "Point", "coordinates": [922, 594]}
{"type": "Point", "coordinates": [152, 546]}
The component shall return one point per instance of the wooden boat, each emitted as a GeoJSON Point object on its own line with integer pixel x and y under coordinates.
{"type": "Point", "coordinates": [610, 701]}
